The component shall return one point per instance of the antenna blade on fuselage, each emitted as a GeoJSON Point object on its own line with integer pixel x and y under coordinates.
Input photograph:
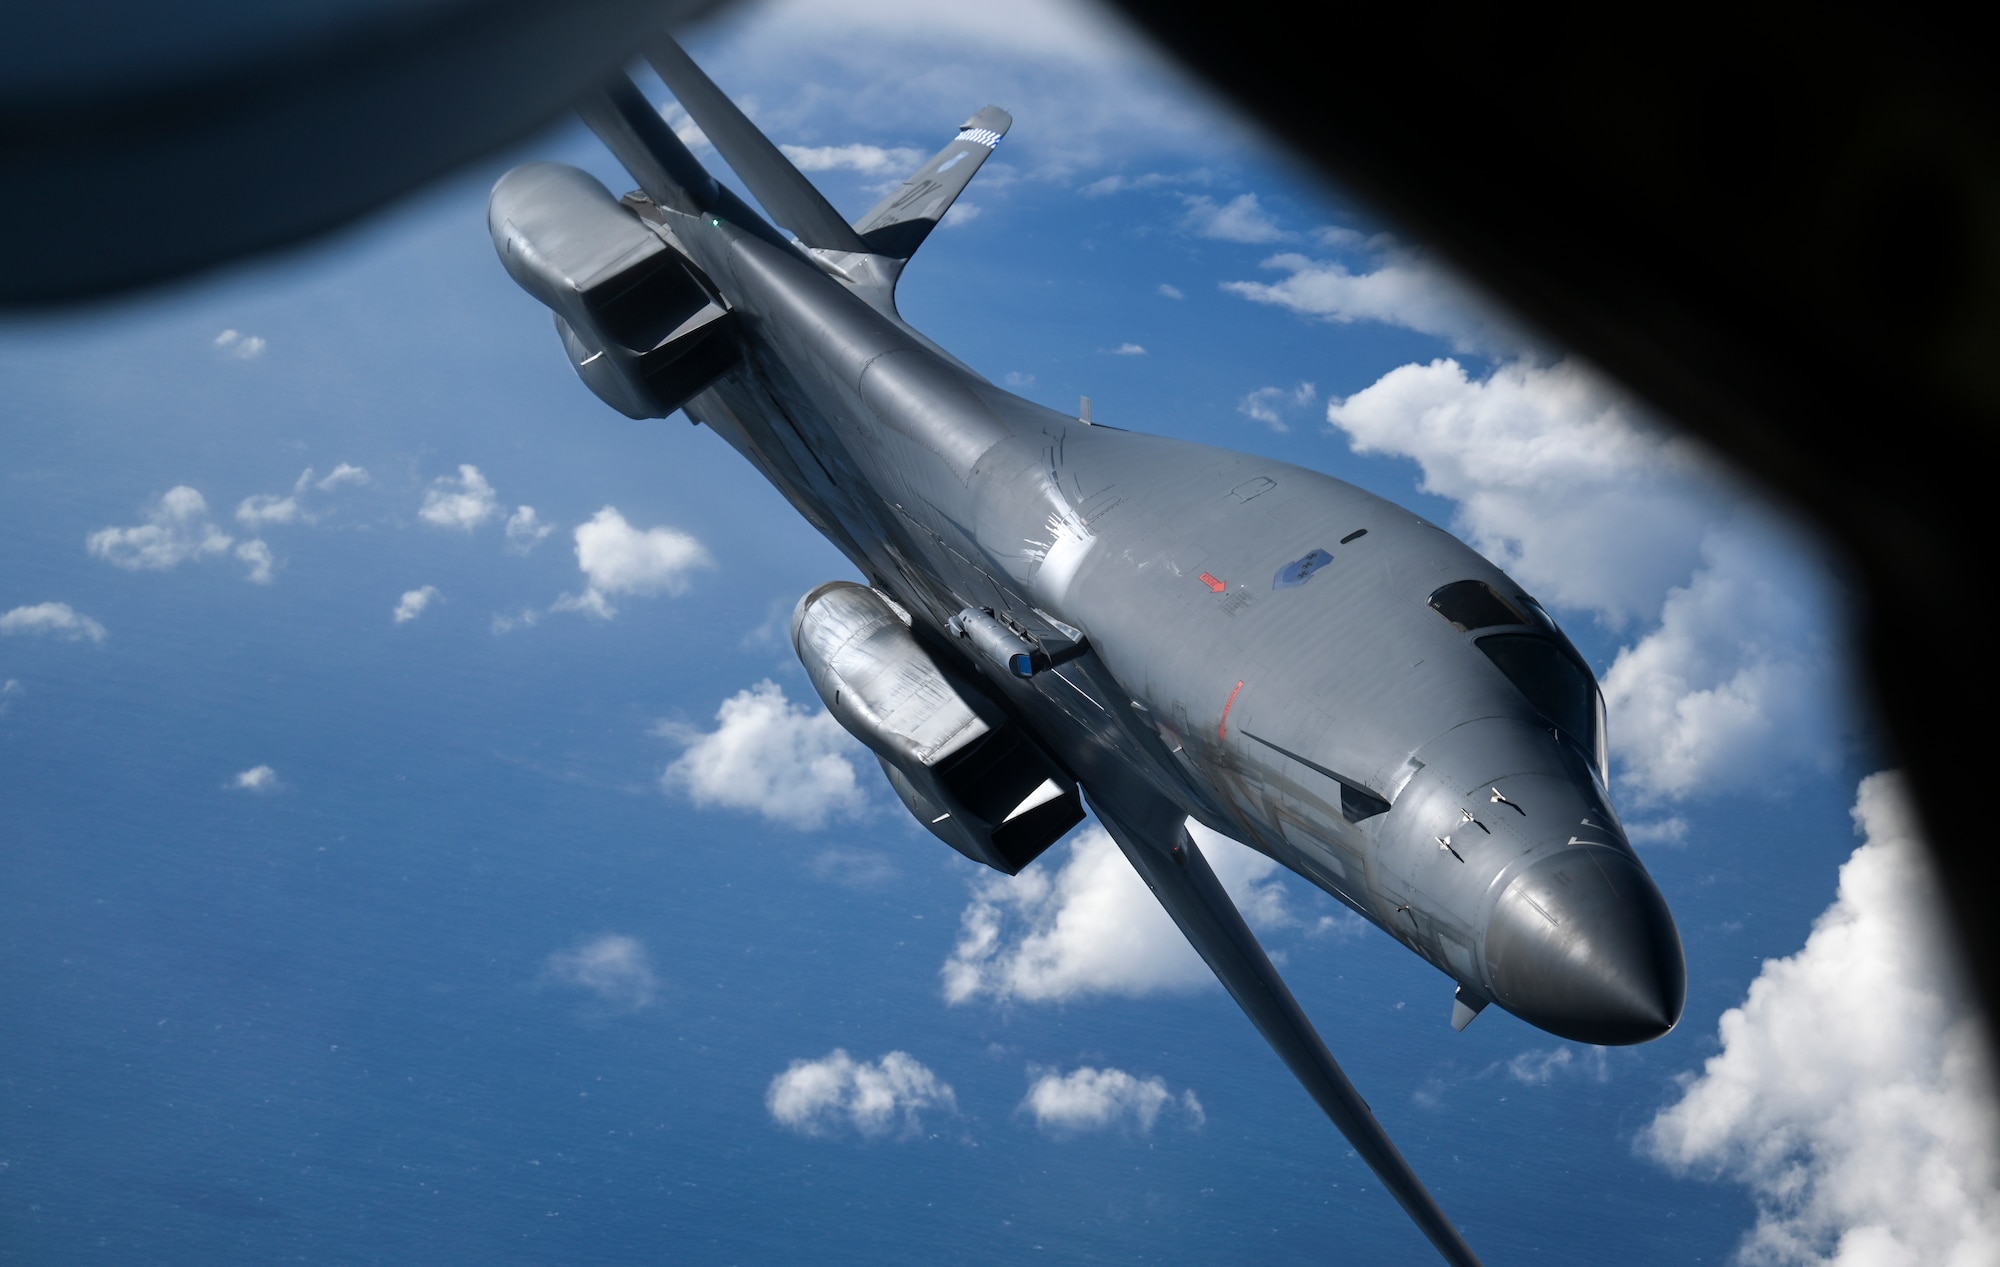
{"type": "Point", "coordinates": [1180, 877]}
{"type": "Point", "coordinates": [786, 194]}
{"type": "Point", "coordinates": [898, 224]}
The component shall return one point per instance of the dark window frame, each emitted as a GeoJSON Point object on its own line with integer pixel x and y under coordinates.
{"type": "Point", "coordinates": [1470, 605]}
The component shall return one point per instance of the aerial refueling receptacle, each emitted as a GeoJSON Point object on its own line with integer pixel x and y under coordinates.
{"type": "Point", "coordinates": [643, 326]}
{"type": "Point", "coordinates": [965, 769]}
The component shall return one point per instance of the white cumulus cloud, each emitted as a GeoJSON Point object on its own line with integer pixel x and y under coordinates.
{"type": "Point", "coordinates": [769, 756]}
{"type": "Point", "coordinates": [854, 868]}
{"type": "Point", "coordinates": [1170, 291]}
{"type": "Point", "coordinates": [1241, 219]}
{"type": "Point", "coordinates": [258, 778]}
{"type": "Point", "coordinates": [413, 603]}
{"type": "Point", "coordinates": [177, 529]}
{"type": "Point", "coordinates": [341, 476]}
{"type": "Point", "coordinates": [1669, 831]}
{"type": "Point", "coordinates": [526, 618]}
{"type": "Point", "coordinates": [262, 563]}
{"type": "Point", "coordinates": [1397, 287]}
{"type": "Point", "coordinates": [526, 530]}
{"type": "Point", "coordinates": [1091, 927]}
{"type": "Point", "coordinates": [1088, 1099]}
{"type": "Point", "coordinates": [1732, 684]}
{"type": "Point", "coordinates": [684, 125]}
{"type": "Point", "coordinates": [52, 620]}
{"type": "Point", "coordinates": [1128, 349]}
{"type": "Point", "coordinates": [1269, 405]}
{"type": "Point", "coordinates": [260, 510]}
{"type": "Point", "coordinates": [464, 501]}
{"type": "Point", "coordinates": [869, 160]}
{"type": "Point", "coordinates": [617, 558]}
{"type": "Point", "coordinates": [875, 1098]}
{"type": "Point", "coordinates": [244, 347]}
{"type": "Point", "coordinates": [1853, 1092]}
{"type": "Point", "coordinates": [904, 66]}
{"type": "Point", "coordinates": [614, 968]}
{"type": "Point", "coordinates": [1558, 480]}
{"type": "Point", "coordinates": [1119, 183]}
{"type": "Point", "coordinates": [1542, 1065]}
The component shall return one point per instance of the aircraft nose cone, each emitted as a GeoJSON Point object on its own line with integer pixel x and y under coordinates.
{"type": "Point", "coordinates": [1582, 945]}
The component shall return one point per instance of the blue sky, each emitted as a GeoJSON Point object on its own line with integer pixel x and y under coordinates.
{"type": "Point", "coordinates": [421, 840]}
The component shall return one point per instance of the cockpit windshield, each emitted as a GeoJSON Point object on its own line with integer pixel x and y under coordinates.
{"type": "Point", "coordinates": [1470, 605]}
{"type": "Point", "coordinates": [1556, 683]}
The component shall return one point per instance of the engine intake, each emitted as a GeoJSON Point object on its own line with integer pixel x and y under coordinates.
{"type": "Point", "coordinates": [968, 772]}
{"type": "Point", "coordinates": [643, 326]}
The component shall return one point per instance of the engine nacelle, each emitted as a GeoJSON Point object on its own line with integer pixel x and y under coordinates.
{"type": "Point", "coordinates": [641, 323]}
{"type": "Point", "coordinates": [966, 770]}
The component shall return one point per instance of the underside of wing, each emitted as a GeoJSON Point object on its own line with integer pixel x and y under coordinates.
{"type": "Point", "coordinates": [784, 190]}
{"type": "Point", "coordinates": [1166, 858]}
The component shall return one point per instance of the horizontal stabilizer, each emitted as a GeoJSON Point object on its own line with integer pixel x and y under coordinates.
{"type": "Point", "coordinates": [786, 194]}
{"type": "Point", "coordinates": [899, 223]}
{"type": "Point", "coordinates": [1166, 858]}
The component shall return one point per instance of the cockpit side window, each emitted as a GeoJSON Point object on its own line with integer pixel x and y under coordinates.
{"type": "Point", "coordinates": [1470, 605]}
{"type": "Point", "coordinates": [1556, 683]}
{"type": "Point", "coordinates": [1540, 616]}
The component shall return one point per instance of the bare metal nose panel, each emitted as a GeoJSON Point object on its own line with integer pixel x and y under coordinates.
{"type": "Point", "coordinates": [1581, 944]}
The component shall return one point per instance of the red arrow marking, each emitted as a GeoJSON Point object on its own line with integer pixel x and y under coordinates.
{"type": "Point", "coordinates": [1222, 727]}
{"type": "Point", "coordinates": [1214, 586]}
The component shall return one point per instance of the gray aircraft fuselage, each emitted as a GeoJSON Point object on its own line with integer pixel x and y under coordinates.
{"type": "Point", "coordinates": [1298, 664]}
{"type": "Point", "coordinates": [1206, 684]}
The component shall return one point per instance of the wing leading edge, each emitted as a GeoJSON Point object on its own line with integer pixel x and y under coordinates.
{"type": "Point", "coordinates": [1166, 858]}
{"type": "Point", "coordinates": [783, 189]}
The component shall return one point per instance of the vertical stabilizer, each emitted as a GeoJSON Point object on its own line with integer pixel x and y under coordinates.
{"type": "Point", "coordinates": [899, 224]}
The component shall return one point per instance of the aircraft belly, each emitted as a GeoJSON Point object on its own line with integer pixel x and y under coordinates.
{"type": "Point", "coordinates": [1256, 635]}
{"type": "Point", "coordinates": [797, 453]}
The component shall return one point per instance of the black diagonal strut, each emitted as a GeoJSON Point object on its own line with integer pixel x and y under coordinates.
{"type": "Point", "coordinates": [666, 169]}
{"type": "Point", "coordinates": [1166, 858]}
{"type": "Point", "coordinates": [781, 187]}
{"type": "Point", "coordinates": [631, 129]}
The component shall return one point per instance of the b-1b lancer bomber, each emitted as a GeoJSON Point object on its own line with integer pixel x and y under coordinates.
{"type": "Point", "coordinates": [1058, 613]}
